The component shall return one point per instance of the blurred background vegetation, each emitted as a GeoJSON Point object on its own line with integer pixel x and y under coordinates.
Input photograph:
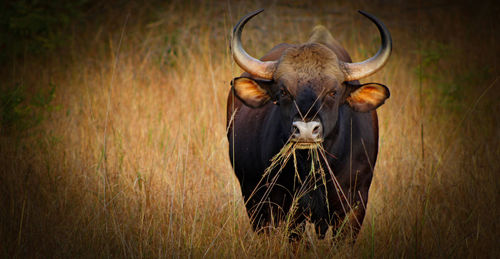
{"type": "Point", "coordinates": [32, 29]}
{"type": "Point", "coordinates": [36, 27]}
{"type": "Point", "coordinates": [39, 29]}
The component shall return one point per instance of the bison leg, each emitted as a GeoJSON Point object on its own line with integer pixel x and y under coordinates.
{"type": "Point", "coordinates": [261, 215]}
{"type": "Point", "coordinates": [270, 212]}
{"type": "Point", "coordinates": [321, 227]}
{"type": "Point", "coordinates": [296, 231]}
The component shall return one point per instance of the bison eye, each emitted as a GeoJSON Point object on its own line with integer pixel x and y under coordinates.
{"type": "Point", "coordinates": [283, 93]}
{"type": "Point", "coordinates": [332, 93]}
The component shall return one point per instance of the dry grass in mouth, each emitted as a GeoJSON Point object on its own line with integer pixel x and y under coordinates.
{"type": "Point", "coordinates": [289, 150]}
{"type": "Point", "coordinates": [308, 145]}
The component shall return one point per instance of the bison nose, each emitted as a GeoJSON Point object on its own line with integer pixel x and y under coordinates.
{"type": "Point", "coordinates": [307, 131]}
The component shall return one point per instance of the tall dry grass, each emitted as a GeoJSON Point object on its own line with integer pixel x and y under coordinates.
{"type": "Point", "coordinates": [131, 160]}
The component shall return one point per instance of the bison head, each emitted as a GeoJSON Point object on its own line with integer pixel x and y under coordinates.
{"type": "Point", "coordinates": [309, 82]}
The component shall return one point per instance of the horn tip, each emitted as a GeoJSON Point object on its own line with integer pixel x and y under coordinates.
{"type": "Point", "coordinates": [364, 13]}
{"type": "Point", "coordinates": [254, 13]}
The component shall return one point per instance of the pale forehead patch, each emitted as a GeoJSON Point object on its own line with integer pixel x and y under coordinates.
{"type": "Point", "coordinates": [308, 63]}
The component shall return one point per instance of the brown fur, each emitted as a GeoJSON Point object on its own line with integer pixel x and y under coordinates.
{"type": "Point", "coordinates": [310, 64]}
{"type": "Point", "coordinates": [320, 34]}
{"type": "Point", "coordinates": [315, 63]}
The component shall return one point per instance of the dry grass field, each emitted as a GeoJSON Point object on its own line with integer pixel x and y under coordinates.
{"type": "Point", "coordinates": [114, 144]}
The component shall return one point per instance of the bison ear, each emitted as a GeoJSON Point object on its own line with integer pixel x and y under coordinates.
{"type": "Point", "coordinates": [253, 93]}
{"type": "Point", "coordinates": [367, 97]}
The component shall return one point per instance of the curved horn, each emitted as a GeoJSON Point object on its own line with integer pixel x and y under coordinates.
{"type": "Point", "coordinates": [255, 67]}
{"type": "Point", "coordinates": [355, 71]}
